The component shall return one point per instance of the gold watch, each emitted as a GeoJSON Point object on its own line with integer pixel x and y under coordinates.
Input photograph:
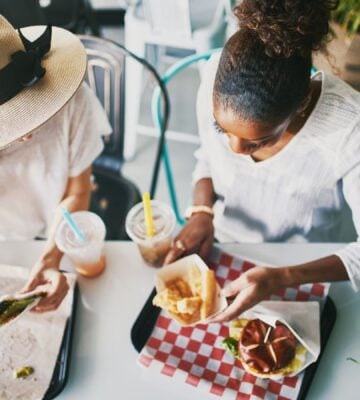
{"type": "Point", "coordinates": [198, 209]}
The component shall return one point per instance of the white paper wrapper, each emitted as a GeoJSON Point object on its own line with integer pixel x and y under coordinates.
{"type": "Point", "coordinates": [302, 318]}
{"type": "Point", "coordinates": [31, 340]}
{"type": "Point", "coordinates": [180, 269]}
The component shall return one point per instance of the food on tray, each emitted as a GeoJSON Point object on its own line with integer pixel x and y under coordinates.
{"type": "Point", "coordinates": [190, 298]}
{"type": "Point", "coordinates": [208, 289]}
{"type": "Point", "coordinates": [264, 350]}
{"type": "Point", "coordinates": [176, 291]}
{"type": "Point", "coordinates": [24, 372]}
{"type": "Point", "coordinates": [11, 307]}
{"type": "Point", "coordinates": [189, 305]}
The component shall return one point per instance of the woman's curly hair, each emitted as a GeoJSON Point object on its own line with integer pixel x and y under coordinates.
{"type": "Point", "coordinates": [287, 27]}
{"type": "Point", "coordinates": [264, 69]}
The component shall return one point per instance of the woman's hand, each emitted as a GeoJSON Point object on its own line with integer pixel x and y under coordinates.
{"type": "Point", "coordinates": [196, 237]}
{"type": "Point", "coordinates": [54, 282]}
{"type": "Point", "coordinates": [46, 272]}
{"type": "Point", "coordinates": [249, 289]}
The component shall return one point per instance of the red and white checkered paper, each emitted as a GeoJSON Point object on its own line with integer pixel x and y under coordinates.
{"type": "Point", "coordinates": [195, 354]}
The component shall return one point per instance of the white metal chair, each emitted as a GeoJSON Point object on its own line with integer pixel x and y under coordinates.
{"type": "Point", "coordinates": [113, 194]}
{"type": "Point", "coordinates": [196, 25]}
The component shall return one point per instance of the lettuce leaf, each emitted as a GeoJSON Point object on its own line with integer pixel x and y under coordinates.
{"type": "Point", "coordinates": [231, 345]}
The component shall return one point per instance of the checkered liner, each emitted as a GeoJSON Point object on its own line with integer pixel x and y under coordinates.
{"type": "Point", "coordinates": [195, 355]}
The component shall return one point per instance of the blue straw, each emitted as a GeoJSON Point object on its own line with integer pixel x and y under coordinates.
{"type": "Point", "coordinates": [70, 221]}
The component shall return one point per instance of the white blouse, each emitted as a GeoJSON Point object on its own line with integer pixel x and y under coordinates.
{"type": "Point", "coordinates": [297, 195]}
{"type": "Point", "coordinates": [34, 174]}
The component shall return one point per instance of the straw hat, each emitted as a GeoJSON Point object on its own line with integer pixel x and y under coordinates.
{"type": "Point", "coordinates": [35, 103]}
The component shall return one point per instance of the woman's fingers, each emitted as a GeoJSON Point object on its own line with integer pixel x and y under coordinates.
{"type": "Point", "coordinates": [229, 290]}
{"type": "Point", "coordinates": [233, 288]}
{"type": "Point", "coordinates": [196, 236]}
{"type": "Point", "coordinates": [240, 304]}
{"type": "Point", "coordinates": [32, 284]}
{"type": "Point", "coordinates": [58, 288]}
{"type": "Point", "coordinates": [178, 248]}
{"type": "Point", "coordinates": [205, 248]}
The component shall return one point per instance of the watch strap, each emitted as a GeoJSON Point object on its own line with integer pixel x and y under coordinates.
{"type": "Point", "coordinates": [198, 209]}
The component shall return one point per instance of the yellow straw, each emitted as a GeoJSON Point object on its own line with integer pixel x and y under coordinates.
{"type": "Point", "coordinates": [149, 222]}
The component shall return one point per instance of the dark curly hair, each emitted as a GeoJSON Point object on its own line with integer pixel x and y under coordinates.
{"type": "Point", "coordinates": [264, 69]}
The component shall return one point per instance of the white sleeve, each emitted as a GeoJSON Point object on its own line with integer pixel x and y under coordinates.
{"type": "Point", "coordinates": [88, 123]}
{"type": "Point", "coordinates": [348, 164]}
{"type": "Point", "coordinates": [204, 101]}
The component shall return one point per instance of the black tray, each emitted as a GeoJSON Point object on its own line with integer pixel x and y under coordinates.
{"type": "Point", "coordinates": [144, 324]}
{"type": "Point", "coordinates": [61, 371]}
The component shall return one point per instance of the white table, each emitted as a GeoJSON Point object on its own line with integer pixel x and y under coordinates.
{"type": "Point", "coordinates": [104, 360]}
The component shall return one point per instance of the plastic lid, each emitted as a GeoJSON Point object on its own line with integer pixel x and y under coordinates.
{"type": "Point", "coordinates": [164, 221]}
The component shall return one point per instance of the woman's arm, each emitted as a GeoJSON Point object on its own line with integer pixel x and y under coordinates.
{"type": "Point", "coordinates": [260, 282]}
{"type": "Point", "coordinates": [198, 233]}
{"type": "Point", "coordinates": [46, 270]}
{"type": "Point", "coordinates": [76, 198]}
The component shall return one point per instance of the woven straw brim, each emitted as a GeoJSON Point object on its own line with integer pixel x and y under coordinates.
{"type": "Point", "coordinates": [65, 66]}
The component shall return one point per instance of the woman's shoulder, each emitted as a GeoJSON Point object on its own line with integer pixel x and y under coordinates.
{"type": "Point", "coordinates": [342, 91]}
{"type": "Point", "coordinates": [82, 95]}
{"type": "Point", "coordinates": [336, 113]}
{"type": "Point", "coordinates": [210, 68]}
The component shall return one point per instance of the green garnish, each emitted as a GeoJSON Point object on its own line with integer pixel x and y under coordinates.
{"type": "Point", "coordinates": [24, 372]}
{"type": "Point", "coordinates": [231, 345]}
{"type": "Point", "coordinates": [353, 360]}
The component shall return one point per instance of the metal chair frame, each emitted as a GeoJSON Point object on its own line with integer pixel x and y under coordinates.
{"type": "Point", "coordinates": [120, 80]}
{"type": "Point", "coordinates": [158, 116]}
{"type": "Point", "coordinates": [109, 85]}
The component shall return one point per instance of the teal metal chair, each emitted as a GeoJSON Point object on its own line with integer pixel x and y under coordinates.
{"type": "Point", "coordinates": [157, 115]}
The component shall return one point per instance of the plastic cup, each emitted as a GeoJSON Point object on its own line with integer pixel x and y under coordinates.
{"type": "Point", "coordinates": [153, 249]}
{"type": "Point", "coordinates": [88, 256]}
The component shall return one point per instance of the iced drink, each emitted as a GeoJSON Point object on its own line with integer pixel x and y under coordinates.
{"type": "Point", "coordinates": [87, 256]}
{"type": "Point", "coordinates": [153, 249]}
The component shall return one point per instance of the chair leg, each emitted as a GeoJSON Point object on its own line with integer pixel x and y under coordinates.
{"type": "Point", "coordinates": [135, 33]}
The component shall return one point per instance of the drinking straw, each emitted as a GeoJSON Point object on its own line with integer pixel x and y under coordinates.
{"type": "Point", "coordinates": [72, 224]}
{"type": "Point", "coordinates": [149, 222]}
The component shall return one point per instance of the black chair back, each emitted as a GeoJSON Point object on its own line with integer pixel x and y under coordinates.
{"type": "Point", "coordinates": [22, 12]}
{"type": "Point", "coordinates": [112, 198]}
{"type": "Point", "coordinates": [73, 15]}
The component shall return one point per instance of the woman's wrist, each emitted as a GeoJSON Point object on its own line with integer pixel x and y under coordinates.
{"type": "Point", "coordinates": [201, 217]}
{"type": "Point", "coordinates": [199, 209]}
{"type": "Point", "coordinates": [285, 276]}
{"type": "Point", "coordinates": [50, 259]}
{"type": "Point", "coordinates": [276, 278]}
{"type": "Point", "coordinates": [326, 269]}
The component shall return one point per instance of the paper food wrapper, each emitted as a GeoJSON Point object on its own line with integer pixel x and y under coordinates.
{"type": "Point", "coordinates": [20, 296]}
{"type": "Point", "coordinates": [30, 340]}
{"type": "Point", "coordinates": [303, 320]}
{"type": "Point", "coordinates": [180, 269]}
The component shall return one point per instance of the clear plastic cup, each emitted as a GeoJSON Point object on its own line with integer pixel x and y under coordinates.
{"type": "Point", "coordinates": [88, 256]}
{"type": "Point", "coordinates": [153, 249]}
